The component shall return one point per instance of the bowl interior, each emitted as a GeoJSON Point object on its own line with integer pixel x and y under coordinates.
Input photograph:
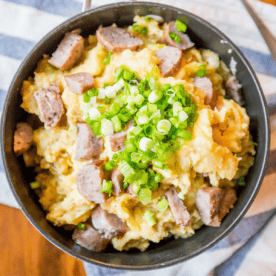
{"type": "Point", "coordinates": [166, 252]}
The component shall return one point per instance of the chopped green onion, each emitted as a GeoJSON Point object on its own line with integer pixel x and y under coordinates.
{"type": "Point", "coordinates": [145, 144]}
{"type": "Point", "coordinates": [93, 92]}
{"type": "Point", "coordinates": [126, 170]}
{"type": "Point", "coordinates": [180, 26]}
{"type": "Point", "coordinates": [116, 123]}
{"type": "Point", "coordinates": [175, 37]}
{"type": "Point", "coordinates": [81, 226]}
{"type": "Point", "coordinates": [181, 196]}
{"type": "Point", "coordinates": [125, 185]}
{"type": "Point", "coordinates": [164, 126]}
{"type": "Point", "coordinates": [162, 205]}
{"type": "Point", "coordinates": [182, 116]}
{"type": "Point", "coordinates": [106, 85]}
{"type": "Point", "coordinates": [149, 217]}
{"type": "Point", "coordinates": [106, 61]}
{"type": "Point", "coordinates": [143, 119]}
{"type": "Point", "coordinates": [148, 19]}
{"type": "Point", "coordinates": [177, 107]}
{"type": "Point", "coordinates": [255, 144]}
{"type": "Point", "coordinates": [34, 185]}
{"type": "Point", "coordinates": [155, 96]}
{"type": "Point", "coordinates": [145, 196]}
{"type": "Point", "coordinates": [94, 113]}
{"type": "Point", "coordinates": [185, 134]}
{"type": "Point", "coordinates": [139, 99]}
{"type": "Point", "coordinates": [107, 187]}
{"type": "Point", "coordinates": [106, 127]}
{"type": "Point", "coordinates": [134, 90]}
{"type": "Point", "coordinates": [241, 181]}
{"type": "Point", "coordinates": [153, 83]}
{"type": "Point", "coordinates": [135, 187]}
{"type": "Point", "coordinates": [73, 129]}
{"type": "Point", "coordinates": [140, 29]}
{"type": "Point", "coordinates": [201, 71]}
{"type": "Point", "coordinates": [136, 130]}
{"type": "Point", "coordinates": [110, 165]}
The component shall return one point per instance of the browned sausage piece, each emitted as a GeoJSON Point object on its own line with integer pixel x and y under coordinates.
{"type": "Point", "coordinates": [185, 42]}
{"type": "Point", "coordinates": [23, 137]}
{"type": "Point", "coordinates": [80, 82]}
{"type": "Point", "coordinates": [109, 225]}
{"type": "Point", "coordinates": [90, 238]}
{"type": "Point", "coordinates": [170, 60]}
{"type": "Point", "coordinates": [88, 146]}
{"type": "Point", "coordinates": [50, 105]}
{"type": "Point", "coordinates": [116, 40]}
{"type": "Point", "coordinates": [89, 180]}
{"type": "Point", "coordinates": [178, 208]}
{"type": "Point", "coordinates": [233, 88]}
{"type": "Point", "coordinates": [68, 51]}
{"type": "Point", "coordinates": [214, 203]}
{"type": "Point", "coordinates": [117, 140]}
{"type": "Point", "coordinates": [117, 179]}
{"type": "Point", "coordinates": [206, 85]}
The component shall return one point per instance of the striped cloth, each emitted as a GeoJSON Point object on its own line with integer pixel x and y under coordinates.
{"type": "Point", "coordinates": [250, 249]}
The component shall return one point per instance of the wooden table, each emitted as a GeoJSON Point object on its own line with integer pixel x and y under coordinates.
{"type": "Point", "coordinates": [23, 251]}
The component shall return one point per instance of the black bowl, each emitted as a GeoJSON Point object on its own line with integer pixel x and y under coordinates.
{"type": "Point", "coordinates": [167, 252]}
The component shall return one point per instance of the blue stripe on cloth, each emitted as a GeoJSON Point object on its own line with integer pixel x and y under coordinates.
{"type": "Point", "coordinates": [93, 270]}
{"type": "Point", "coordinates": [262, 63]}
{"type": "Point", "coordinates": [59, 7]}
{"type": "Point", "coordinates": [14, 47]}
{"type": "Point", "coordinates": [232, 264]}
{"type": "Point", "coordinates": [244, 230]}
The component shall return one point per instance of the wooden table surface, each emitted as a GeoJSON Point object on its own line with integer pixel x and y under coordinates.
{"type": "Point", "coordinates": [23, 251]}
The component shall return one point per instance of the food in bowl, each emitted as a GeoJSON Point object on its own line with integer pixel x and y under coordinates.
{"type": "Point", "coordinates": [136, 140]}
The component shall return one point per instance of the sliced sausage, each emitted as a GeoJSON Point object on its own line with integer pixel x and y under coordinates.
{"type": "Point", "coordinates": [109, 225]}
{"type": "Point", "coordinates": [23, 137]}
{"type": "Point", "coordinates": [117, 140]}
{"type": "Point", "coordinates": [206, 85]}
{"type": "Point", "coordinates": [50, 105]}
{"type": "Point", "coordinates": [68, 51]}
{"type": "Point", "coordinates": [89, 180]}
{"type": "Point", "coordinates": [170, 60]}
{"type": "Point", "coordinates": [90, 238]}
{"type": "Point", "coordinates": [117, 179]}
{"type": "Point", "coordinates": [233, 88]}
{"type": "Point", "coordinates": [178, 208]}
{"type": "Point", "coordinates": [185, 42]}
{"type": "Point", "coordinates": [214, 203]}
{"type": "Point", "coordinates": [80, 82]}
{"type": "Point", "coordinates": [88, 146]}
{"type": "Point", "coordinates": [116, 40]}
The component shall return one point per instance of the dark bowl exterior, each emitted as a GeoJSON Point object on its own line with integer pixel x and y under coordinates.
{"type": "Point", "coordinates": [168, 252]}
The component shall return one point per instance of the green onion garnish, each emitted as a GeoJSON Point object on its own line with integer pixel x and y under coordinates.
{"type": "Point", "coordinates": [145, 195]}
{"type": "Point", "coordinates": [180, 26]}
{"type": "Point", "coordinates": [255, 144]}
{"type": "Point", "coordinates": [107, 187]}
{"type": "Point", "coordinates": [81, 226]}
{"type": "Point", "coordinates": [73, 129]}
{"type": "Point", "coordinates": [241, 181]}
{"type": "Point", "coordinates": [201, 71]}
{"type": "Point", "coordinates": [106, 61]}
{"type": "Point", "coordinates": [140, 29]}
{"type": "Point", "coordinates": [34, 185]}
{"type": "Point", "coordinates": [175, 37]}
{"type": "Point", "coordinates": [162, 205]}
{"type": "Point", "coordinates": [149, 217]}
{"type": "Point", "coordinates": [148, 19]}
{"type": "Point", "coordinates": [110, 165]}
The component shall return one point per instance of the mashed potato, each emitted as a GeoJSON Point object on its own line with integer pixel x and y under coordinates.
{"type": "Point", "coordinates": [221, 145]}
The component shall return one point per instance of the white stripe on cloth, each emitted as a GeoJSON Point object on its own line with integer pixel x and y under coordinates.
{"type": "Point", "coordinates": [261, 258]}
{"type": "Point", "coordinates": [8, 68]}
{"type": "Point", "coordinates": [26, 22]}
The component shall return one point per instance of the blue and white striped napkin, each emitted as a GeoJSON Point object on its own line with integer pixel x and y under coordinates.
{"type": "Point", "coordinates": [250, 249]}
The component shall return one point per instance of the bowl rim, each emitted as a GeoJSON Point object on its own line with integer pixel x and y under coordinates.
{"type": "Point", "coordinates": [258, 181]}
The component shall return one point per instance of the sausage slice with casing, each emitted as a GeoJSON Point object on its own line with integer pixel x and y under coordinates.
{"type": "Point", "coordinates": [90, 238]}
{"type": "Point", "coordinates": [185, 42]}
{"type": "Point", "coordinates": [109, 225]}
{"type": "Point", "coordinates": [89, 180]}
{"type": "Point", "coordinates": [23, 137]}
{"type": "Point", "coordinates": [117, 179]}
{"type": "Point", "coordinates": [214, 203]}
{"type": "Point", "coordinates": [80, 82]}
{"type": "Point", "coordinates": [233, 88]}
{"type": "Point", "coordinates": [116, 40]}
{"type": "Point", "coordinates": [178, 208]}
{"type": "Point", "coordinates": [50, 105]}
{"type": "Point", "coordinates": [68, 51]}
{"type": "Point", "coordinates": [170, 60]}
{"type": "Point", "coordinates": [88, 146]}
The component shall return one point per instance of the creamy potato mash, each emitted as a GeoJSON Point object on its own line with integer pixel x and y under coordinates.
{"type": "Point", "coordinates": [221, 149]}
